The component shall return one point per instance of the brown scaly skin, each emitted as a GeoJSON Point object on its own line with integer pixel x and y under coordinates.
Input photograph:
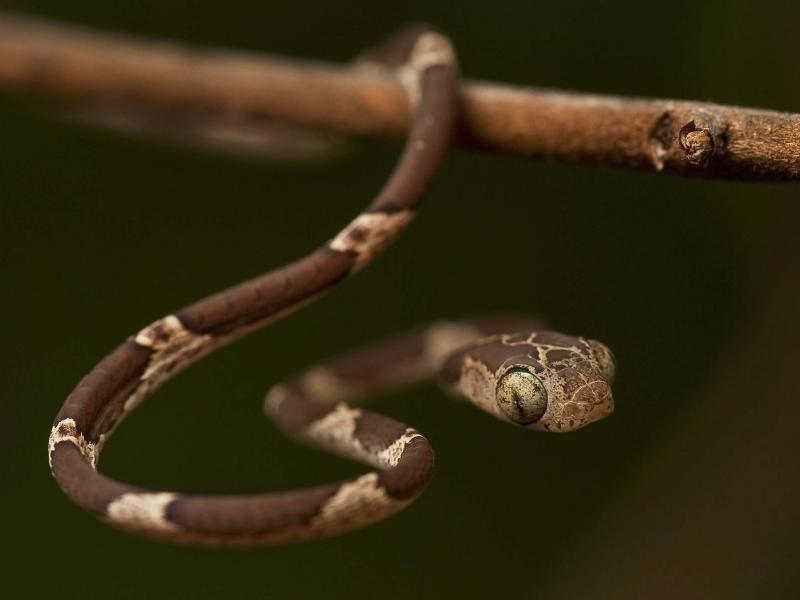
{"type": "Point", "coordinates": [428, 69]}
{"type": "Point", "coordinates": [573, 374]}
{"type": "Point", "coordinates": [471, 360]}
{"type": "Point", "coordinates": [312, 407]}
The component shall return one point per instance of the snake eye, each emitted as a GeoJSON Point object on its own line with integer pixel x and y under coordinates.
{"type": "Point", "coordinates": [521, 396]}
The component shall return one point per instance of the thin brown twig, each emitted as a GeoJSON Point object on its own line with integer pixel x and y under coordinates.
{"type": "Point", "coordinates": [68, 64]}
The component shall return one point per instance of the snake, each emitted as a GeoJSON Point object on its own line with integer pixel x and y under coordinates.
{"type": "Point", "coordinates": [509, 366]}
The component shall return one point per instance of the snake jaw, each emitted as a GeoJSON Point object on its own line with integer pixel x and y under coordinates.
{"type": "Point", "coordinates": [580, 395]}
{"type": "Point", "coordinates": [591, 402]}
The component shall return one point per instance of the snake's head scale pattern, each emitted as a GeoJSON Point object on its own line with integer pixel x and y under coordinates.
{"type": "Point", "coordinates": [540, 380]}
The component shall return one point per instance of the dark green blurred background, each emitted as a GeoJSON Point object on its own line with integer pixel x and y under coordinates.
{"type": "Point", "coordinates": [102, 234]}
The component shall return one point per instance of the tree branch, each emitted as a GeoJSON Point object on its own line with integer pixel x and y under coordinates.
{"type": "Point", "coordinates": [68, 64]}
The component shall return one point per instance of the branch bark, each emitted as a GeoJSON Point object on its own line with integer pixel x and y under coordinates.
{"type": "Point", "coordinates": [55, 62]}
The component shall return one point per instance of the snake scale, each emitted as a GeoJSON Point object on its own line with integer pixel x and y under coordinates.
{"type": "Point", "coordinates": [507, 366]}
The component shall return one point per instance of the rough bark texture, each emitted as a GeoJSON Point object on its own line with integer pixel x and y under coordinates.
{"type": "Point", "coordinates": [79, 66]}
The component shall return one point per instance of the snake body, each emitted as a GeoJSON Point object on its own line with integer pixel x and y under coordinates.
{"type": "Point", "coordinates": [535, 378]}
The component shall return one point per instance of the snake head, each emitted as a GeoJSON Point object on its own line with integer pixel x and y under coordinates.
{"type": "Point", "coordinates": [539, 380]}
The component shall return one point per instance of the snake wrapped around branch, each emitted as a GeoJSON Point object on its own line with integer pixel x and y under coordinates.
{"type": "Point", "coordinates": [507, 366]}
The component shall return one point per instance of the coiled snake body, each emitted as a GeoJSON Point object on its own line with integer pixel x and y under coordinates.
{"type": "Point", "coordinates": [534, 378]}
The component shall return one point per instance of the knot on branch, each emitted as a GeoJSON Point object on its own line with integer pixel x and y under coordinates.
{"type": "Point", "coordinates": [699, 143]}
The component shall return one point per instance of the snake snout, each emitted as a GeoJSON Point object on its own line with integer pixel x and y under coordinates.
{"type": "Point", "coordinates": [592, 401]}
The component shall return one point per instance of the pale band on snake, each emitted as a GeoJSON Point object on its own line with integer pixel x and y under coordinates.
{"type": "Point", "coordinates": [507, 366]}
